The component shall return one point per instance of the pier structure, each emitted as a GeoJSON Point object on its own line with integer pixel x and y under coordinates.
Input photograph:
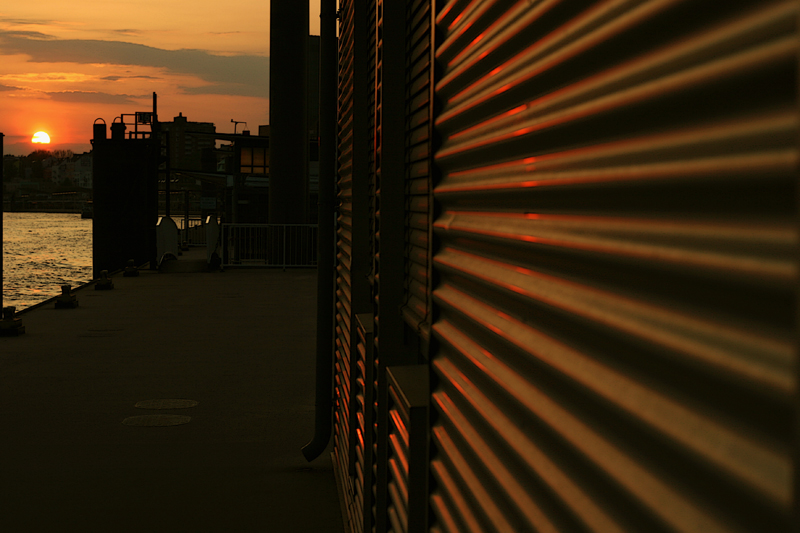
{"type": "Point", "coordinates": [99, 433]}
{"type": "Point", "coordinates": [125, 191]}
{"type": "Point", "coordinates": [564, 284]}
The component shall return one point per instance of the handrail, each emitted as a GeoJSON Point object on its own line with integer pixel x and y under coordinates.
{"type": "Point", "coordinates": [269, 245]}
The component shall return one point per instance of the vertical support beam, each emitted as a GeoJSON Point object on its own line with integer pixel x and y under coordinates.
{"type": "Point", "coordinates": [288, 106]}
{"type": "Point", "coordinates": [326, 234]}
{"type": "Point", "coordinates": [2, 198]}
{"type": "Point", "coordinates": [392, 184]}
{"type": "Point", "coordinates": [185, 216]}
{"type": "Point", "coordinates": [392, 172]}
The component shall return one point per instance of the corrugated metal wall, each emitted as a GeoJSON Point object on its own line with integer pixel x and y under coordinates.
{"type": "Point", "coordinates": [408, 400]}
{"type": "Point", "coordinates": [344, 432]}
{"type": "Point", "coordinates": [357, 230]}
{"type": "Point", "coordinates": [617, 265]}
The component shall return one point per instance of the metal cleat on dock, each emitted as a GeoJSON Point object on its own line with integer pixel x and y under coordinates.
{"type": "Point", "coordinates": [131, 270]}
{"type": "Point", "coordinates": [10, 325]}
{"type": "Point", "coordinates": [66, 300]}
{"type": "Point", "coordinates": [104, 283]}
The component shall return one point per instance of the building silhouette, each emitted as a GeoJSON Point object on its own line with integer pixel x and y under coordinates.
{"type": "Point", "coordinates": [187, 151]}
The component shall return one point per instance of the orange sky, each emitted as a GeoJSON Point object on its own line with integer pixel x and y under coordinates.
{"type": "Point", "coordinates": [64, 64]}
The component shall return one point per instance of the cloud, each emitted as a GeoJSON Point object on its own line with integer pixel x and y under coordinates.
{"type": "Point", "coordinates": [26, 35]}
{"type": "Point", "coordinates": [117, 78]}
{"type": "Point", "coordinates": [91, 97]}
{"type": "Point", "coordinates": [240, 73]}
{"type": "Point", "coordinates": [233, 89]}
{"type": "Point", "coordinates": [28, 22]}
{"type": "Point", "coordinates": [10, 88]}
{"type": "Point", "coordinates": [128, 32]}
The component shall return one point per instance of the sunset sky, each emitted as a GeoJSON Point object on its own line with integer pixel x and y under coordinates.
{"type": "Point", "coordinates": [64, 64]}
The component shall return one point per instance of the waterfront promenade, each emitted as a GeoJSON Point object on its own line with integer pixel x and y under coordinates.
{"type": "Point", "coordinates": [240, 343]}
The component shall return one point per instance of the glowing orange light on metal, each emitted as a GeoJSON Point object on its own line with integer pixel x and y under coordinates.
{"type": "Point", "coordinates": [457, 58]}
{"type": "Point", "coordinates": [455, 21]}
{"type": "Point", "coordinates": [445, 11]}
{"type": "Point", "coordinates": [528, 75]}
{"type": "Point", "coordinates": [495, 329]}
{"type": "Point", "coordinates": [516, 110]}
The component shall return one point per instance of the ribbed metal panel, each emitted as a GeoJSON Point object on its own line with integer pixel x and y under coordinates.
{"type": "Point", "coordinates": [364, 393]}
{"type": "Point", "coordinates": [418, 175]}
{"type": "Point", "coordinates": [408, 398]}
{"type": "Point", "coordinates": [617, 266]}
{"type": "Point", "coordinates": [342, 377]}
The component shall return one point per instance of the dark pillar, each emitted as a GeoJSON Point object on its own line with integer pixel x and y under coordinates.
{"type": "Point", "coordinates": [391, 247]}
{"type": "Point", "coordinates": [125, 196]}
{"type": "Point", "coordinates": [288, 111]}
{"type": "Point", "coordinates": [392, 176]}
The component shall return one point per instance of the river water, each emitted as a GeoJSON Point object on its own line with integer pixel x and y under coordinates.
{"type": "Point", "coordinates": [41, 252]}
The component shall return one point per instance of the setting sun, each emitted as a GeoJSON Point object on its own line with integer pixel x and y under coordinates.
{"type": "Point", "coordinates": [41, 137]}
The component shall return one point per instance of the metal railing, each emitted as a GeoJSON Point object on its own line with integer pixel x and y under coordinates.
{"type": "Point", "coordinates": [269, 245]}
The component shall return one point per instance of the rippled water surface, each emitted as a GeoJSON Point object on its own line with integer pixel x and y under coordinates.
{"type": "Point", "coordinates": [42, 251]}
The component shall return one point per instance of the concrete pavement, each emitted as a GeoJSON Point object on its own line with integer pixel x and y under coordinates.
{"type": "Point", "coordinates": [240, 343]}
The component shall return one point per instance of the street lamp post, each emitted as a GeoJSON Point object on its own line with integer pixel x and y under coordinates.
{"type": "Point", "coordinates": [236, 123]}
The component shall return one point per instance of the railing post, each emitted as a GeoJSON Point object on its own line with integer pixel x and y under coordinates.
{"type": "Point", "coordinates": [284, 247]}
{"type": "Point", "coordinates": [2, 177]}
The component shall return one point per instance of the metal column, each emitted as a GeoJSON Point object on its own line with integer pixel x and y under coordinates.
{"type": "Point", "coordinates": [287, 112]}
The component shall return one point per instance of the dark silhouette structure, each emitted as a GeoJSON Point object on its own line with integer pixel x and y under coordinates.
{"type": "Point", "coordinates": [288, 106]}
{"type": "Point", "coordinates": [125, 192]}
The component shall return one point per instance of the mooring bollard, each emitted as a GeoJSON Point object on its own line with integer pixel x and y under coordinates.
{"type": "Point", "coordinates": [66, 300]}
{"type": "Point", "coordinates": [131, 270]}
{"type": "Point", "coordinates": [10, 325]}
{"type": "Point", "coordinates": [104, 283]}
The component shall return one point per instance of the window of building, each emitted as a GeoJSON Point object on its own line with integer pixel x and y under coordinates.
{"type": "Point", "coordinates": [254, 160]}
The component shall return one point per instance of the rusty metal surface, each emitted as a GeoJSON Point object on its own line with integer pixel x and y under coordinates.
{"type": "Point", "coordinates": [616, 266]}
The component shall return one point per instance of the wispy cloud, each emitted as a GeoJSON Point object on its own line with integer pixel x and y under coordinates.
{"type": "Point", "coordinates": [234, 89]}
{"type": "Point", "coordinates": [91, 97]}
{"type": "Point", "coordinates": [33, 77]}
{"type": "Point", "coordinates": [37, 35]}
{"type": "Point", "coordinates": [128, 32]}
{"type": "Point", "coordinates": [117, 78]}
{"type": "Point", "coordinates": [9, 88]}
{"type": "Point", "coordinates": [244, 75]}
{"type": "Point", "coordinates": [27, 22]}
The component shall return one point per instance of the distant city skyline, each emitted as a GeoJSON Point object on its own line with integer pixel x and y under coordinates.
{"type": "Point", "coordinates": [64, 64]}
